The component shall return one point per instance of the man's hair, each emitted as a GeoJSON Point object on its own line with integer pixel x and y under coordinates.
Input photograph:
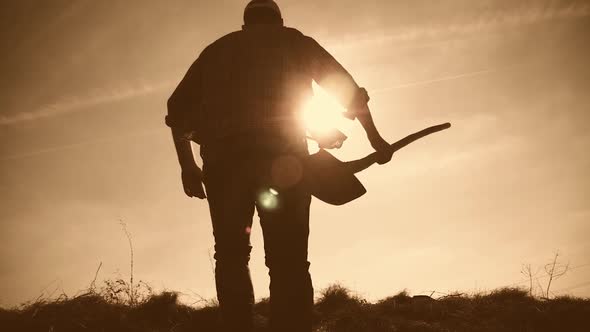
{"type": "Point", "coordinates": [262, 12]}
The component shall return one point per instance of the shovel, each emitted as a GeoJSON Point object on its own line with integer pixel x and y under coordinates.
{"type": "Point", "coordinates": [334, 181]}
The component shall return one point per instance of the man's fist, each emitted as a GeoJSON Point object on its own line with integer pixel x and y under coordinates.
{"type": "Point", "coordinates": [192, 181]}
{"type": "Point", "coordinates": [384, 151]}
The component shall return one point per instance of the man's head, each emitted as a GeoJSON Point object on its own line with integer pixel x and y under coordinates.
{"type": "Point", "coordinates": [262, 12]}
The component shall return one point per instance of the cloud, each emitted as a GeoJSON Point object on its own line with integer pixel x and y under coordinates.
{"type": "Point", "coordinates": [489, 21]}
{"type": "Point", "coordinates": [79, 103]}
{"type": "Point", "coordinates": [434, 80]}
{"type": "Point", "coordinates": [114, 138]}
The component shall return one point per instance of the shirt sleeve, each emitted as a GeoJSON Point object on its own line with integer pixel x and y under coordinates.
{"type": "Point", "coordinates": [332, 76]}
{"type": "Point", "coordinates": [183, 104]}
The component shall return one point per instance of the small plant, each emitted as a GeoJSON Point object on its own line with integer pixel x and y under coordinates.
{"type": "Point", "coordinates": [130, 290]}
{"type": "Point", "coordinates": [119, 290]}
{"type": "Point", "coordinates": [553, 271]}
{"type": "Point", "coordinates": [527, 271]}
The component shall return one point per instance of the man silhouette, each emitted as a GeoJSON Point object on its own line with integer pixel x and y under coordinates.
{"type": "Point", "coordinates": [241, 101]}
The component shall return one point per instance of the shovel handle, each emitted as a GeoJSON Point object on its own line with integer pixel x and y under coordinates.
{"type": "Point", "coordinates": [362, 164]}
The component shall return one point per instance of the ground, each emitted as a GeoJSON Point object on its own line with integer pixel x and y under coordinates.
{"type": "Point", "coordinates": [337, 310]}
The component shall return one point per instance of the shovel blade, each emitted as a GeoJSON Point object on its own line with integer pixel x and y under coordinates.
{"type": "Point", "coordinates": [329, 180]}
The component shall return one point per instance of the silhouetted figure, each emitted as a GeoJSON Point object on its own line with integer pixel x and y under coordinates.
{"type": "Point", "coordinates": [241, 101]}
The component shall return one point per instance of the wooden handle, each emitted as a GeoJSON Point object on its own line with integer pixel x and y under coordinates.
{"type": "Point", "coordinates": [364, 163]}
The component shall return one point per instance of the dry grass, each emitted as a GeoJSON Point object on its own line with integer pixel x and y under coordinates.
{"type": "Point", "coordinates": [337, 310]}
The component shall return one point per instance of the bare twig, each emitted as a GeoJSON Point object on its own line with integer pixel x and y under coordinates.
{"type": "Point", "coordinates": [554, 270]}
{"type": "Point", "coordinates": [527, 271]}
{"type": "Point", "coordinates": [93, 283]}
{"type": "Point", "coordinates": [131, 289]}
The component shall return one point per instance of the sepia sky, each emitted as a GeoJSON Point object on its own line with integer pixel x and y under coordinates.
{"type": "Point", "coordinates": [83, 145]}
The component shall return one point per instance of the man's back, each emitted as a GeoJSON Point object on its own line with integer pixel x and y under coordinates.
{"type": "Point", "coordinates": [256, 81]}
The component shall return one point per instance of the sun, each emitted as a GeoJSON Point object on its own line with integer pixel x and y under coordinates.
{"type": "Point", "coordinates": [322, 112]}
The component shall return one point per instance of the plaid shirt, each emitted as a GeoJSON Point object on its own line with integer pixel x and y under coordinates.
{"type": "Point", "coordinates": [255, 81]}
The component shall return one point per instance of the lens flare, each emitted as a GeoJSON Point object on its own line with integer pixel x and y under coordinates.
{"type": "Point", "coordinates": [269, 199]}
{"type": "Point", "coordinates": [323, 112]}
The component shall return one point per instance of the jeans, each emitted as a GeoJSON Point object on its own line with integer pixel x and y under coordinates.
{"type": "Point", "coordinates": [237, 185]}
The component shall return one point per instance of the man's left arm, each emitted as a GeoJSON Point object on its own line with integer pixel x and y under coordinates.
{"type": "Point", "coordinates": [329, 73]}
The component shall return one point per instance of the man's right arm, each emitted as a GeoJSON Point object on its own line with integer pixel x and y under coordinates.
{"type": "Point", "coordinates": [182, 102]}
{"type": "Point", "coordinates": [191, 174]}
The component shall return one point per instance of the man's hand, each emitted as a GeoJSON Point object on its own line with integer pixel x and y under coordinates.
{"type": "Point", "coordinates": [383, 148]}
{"type": "Point", "coordinates": [384, 151]}
{"type": "Point", "coordinates": [192, 181]}
{"type": "Point", "coordinates": [192, 177]}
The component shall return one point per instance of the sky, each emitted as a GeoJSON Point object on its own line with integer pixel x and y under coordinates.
{"type": "Point", "coordinates": [83, 145]}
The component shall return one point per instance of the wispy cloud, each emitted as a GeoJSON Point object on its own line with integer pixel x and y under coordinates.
{"type": "Point", "coordinates": [114, 138]}
{"type": "Point", "coordinates": [488, 21]}
{"type": "Point", "coordinates": [79, 103]}
{"type": "Point", "coordinates": [434, 80]}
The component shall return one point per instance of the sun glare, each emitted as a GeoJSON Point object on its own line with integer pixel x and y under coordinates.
{"type": "Point", "coordinates": [323, 112]}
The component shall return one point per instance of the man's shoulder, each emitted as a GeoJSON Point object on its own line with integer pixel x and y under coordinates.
{"type": "Point", "coordinates": [234, 38]}
{"type": "Point", "coordinates": [222, 42]}
{"type": "Point", "coordinates": [293, 32]}
{"type": "Point", "coordinates": [304, 41]}
{"type": "Point", "coordinates": [298, 35]}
